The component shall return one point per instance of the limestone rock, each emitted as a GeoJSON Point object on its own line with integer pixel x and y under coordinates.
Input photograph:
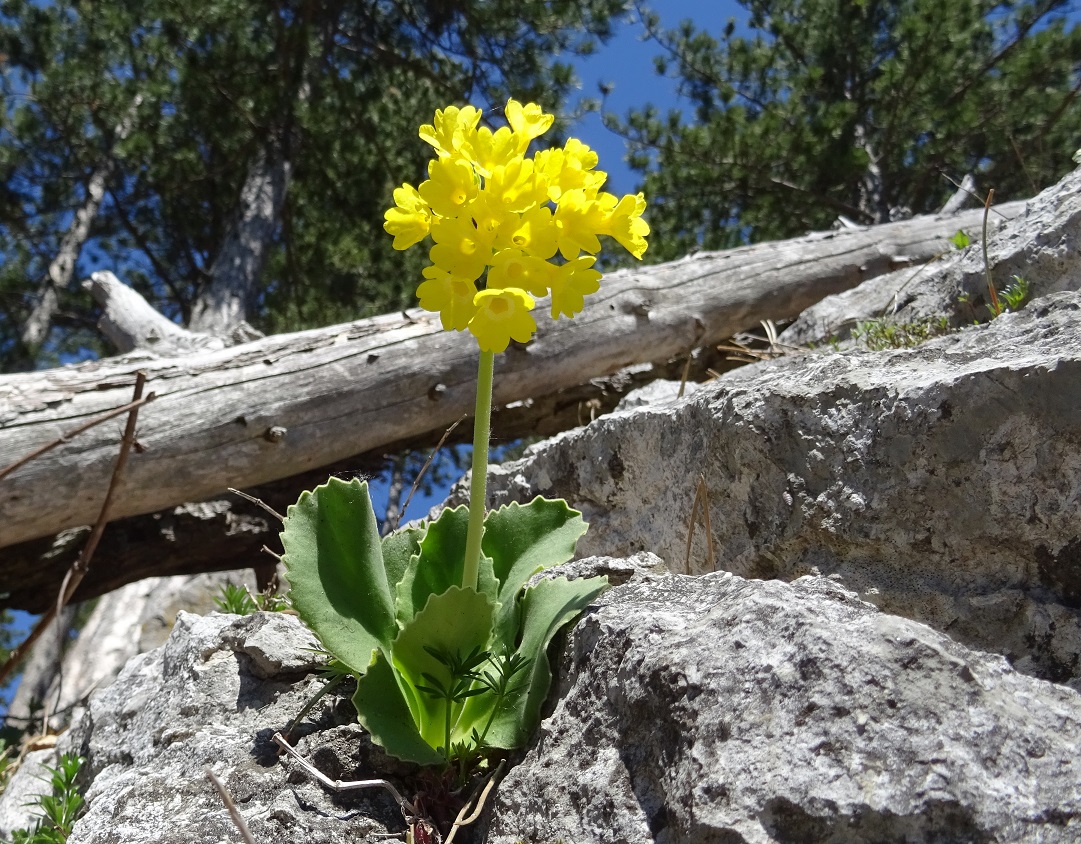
{"type": "Point", "coordinates": [1042, 245]}
{"type": "Point", "coordinates": [131, 620]}
{"type": "Point", "coordinates": [19, 800]}
{"type": "Point", "coordinates": [212, 697]}
{"type": "Point", "coordinates": [706, 708]}
{"type": "Point", "coordinates": [941, 483]}
{"type": "Point", "coordinates": [725, 710]}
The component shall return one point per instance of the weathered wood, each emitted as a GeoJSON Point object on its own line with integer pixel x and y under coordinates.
{"type": "Point", "coordinates": [130, 323]}
{"type": "Point", "coordinates": [227, 533]}
{"type": "Point", "coordinates": [288, 404]}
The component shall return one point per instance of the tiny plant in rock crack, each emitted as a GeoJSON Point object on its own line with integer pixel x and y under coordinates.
{"type": "Point", "coordinates": [58, 809]}
{"type": "Point", "coordinates": [441, 624]}
{"type": "Point", "coordinates": [239, 601]}
{"type": "Point", "coordinates": [879, 334]}
{"type": "Point", "coordinates": [960, 240]}
{"type": "Point", "coordinates": [1011, 299]}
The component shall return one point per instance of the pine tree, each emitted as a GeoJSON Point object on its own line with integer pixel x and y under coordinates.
{"type": "Point", "coordinates": [862, 108]}
{"type": "Point", "coordinates": [262, 143]}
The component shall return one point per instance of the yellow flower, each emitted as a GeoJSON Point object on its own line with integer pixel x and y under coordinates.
{"type": "Point", "coordinates": [460, 248]}
{"type": "Point", "coordinates": [513, 268]}
{"type": "Point", "coordinates": [493, 222]}
{"type": "Point", "coordinates": [493, 149]}
{"type": "Point", "coordinates": [535, 232]}
{"type": "Point", "coordinates": [514, 187]}
{"type": "Point", "coordinates": [502, 316]}
{"type": "Point", "coordinates": [449, 296]}
{"type": "Point", "coordinates": [623, 221]}
{"type": "Point", "coordinates": [497, 220]}
{"type": "Point", "coordinates": [528, 122]}
{"type": "Point", "coordinates": [579, 220]}
{"type": "Point", "coordinates": [409, 220]}
{"type": "Point", "coordinates": [451, 185]}
{"type": "Point", "coordinates": [452, 129]}
{"type": "Point", "coordinates": [570, 168]}
{"type": "Point", "coordinates": [571, 283]}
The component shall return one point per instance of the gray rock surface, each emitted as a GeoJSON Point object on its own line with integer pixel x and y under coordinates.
{"type": "Point", "coordinates": [131, 620]}
{"type": "Point", "coordinates": [19, 800]}
{"type": "Point", "coordinates": [1042, 245]}
{"type": "Point", "coordinates": [686, 709]}
{"type": "Point", "coordinates": [942, 483]}
{"type": "Point", "coordinates": [213, 696]}
{"type": "Point", "coordinates": [717, 709]}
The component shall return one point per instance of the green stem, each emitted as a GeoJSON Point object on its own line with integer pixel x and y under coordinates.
{"type": "Point", "coordinates": [482, 429]}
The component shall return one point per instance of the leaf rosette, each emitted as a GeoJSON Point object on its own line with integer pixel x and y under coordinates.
{"type": "Point", "coordinates": [393, 611]}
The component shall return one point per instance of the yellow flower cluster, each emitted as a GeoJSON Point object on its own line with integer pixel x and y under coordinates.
{"type": "Point", "coordinates": [498, 220]}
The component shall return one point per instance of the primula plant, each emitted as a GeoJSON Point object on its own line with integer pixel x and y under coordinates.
{"type": "Point", "coordinates": [446, 640]}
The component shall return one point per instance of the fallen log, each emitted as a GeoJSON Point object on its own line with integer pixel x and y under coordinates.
{"type": "Point", "coordinates": [226, 532]}
{"type": "Point", "coordinates": [288, 404]}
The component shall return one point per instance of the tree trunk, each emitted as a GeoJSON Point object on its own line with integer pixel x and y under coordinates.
{"type": "Point", "coordinates": [227, 532]}
{"type": "Point", "coordinates": [62, 267]}
{"type": "Point", "coordinates": [289, 404]}
{"type": "Point", "coordinates": [130, 323]}
{"type": "Point", "coordinates": [222, 308]}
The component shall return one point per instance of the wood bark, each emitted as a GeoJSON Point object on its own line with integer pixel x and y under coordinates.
{"type": "Point", "coordinates": [130, 323]}
{"type": "Point", "coordinates": [62, 267]}
{"type": "Point", "coordinates": [222, 308]}
{"type": "Point", "coordinates": [227, 533]}
{"type": "Point", "coordinates": [289, 404]}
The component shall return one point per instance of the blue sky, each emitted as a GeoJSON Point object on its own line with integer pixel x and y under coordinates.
{"type": "Point", "coordinates": [626, 63]}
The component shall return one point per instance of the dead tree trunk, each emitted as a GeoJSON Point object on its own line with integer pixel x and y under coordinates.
{"type": "Point", "coordinates": [289, 404]}
{"type": "Point", "coordinates": [62, 267]}
{"type": "Point", "coordinates": [223, 307]}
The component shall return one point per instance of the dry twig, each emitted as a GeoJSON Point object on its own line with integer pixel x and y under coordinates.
{"type": "Point", "coordinates": [701, 500]}
{"type": "Point", "coordinates": [79, 568]}
{"type": "Point", "coordinates": [416, 483]}
{"type": "Point", "coordinates": [258, 502]}
{"type": "Point", "coordinates": [67, 437]}
{"type": "Point", "coordinates": [460, 821]}
{"type": "Point", "coordinates": [234, 813]}
{"type": "Point", "coordinates": [339, 785]}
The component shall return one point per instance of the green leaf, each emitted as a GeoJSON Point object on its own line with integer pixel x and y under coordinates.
{"type": "Point", "coordinates": [546, 607]}
{"type": "Point", "coordinates": [398, 548]}
{"type": "Point", "coordinates": [523, 540]}
{"type": "Point", "coordinates": [383, 711]}
{"type": "Point", "coordinates": [455, 622]}
{"type": "Point", "coordinates": [438, 565]}
{"type": "Point", "coordinates": [334, 563]}
{"type": "Point", "coordinates": [960, 240]}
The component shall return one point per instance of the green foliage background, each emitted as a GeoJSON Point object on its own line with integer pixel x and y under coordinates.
{"type": "Point", "coordinates": [337, 88]}
{"type": "Point", "coordinates": [864, 108]}
{"type": "Point", "coordinates": [806, 110]}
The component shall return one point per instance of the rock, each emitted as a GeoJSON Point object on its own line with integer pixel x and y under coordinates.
{"type": "Point", "coordinates": [130, 620]}
{"type": "Point", "coordinates": [657, 392]}
{"type": "Point", "coordinates": [212, 697]}
{"type": "Point", "coordinates": [1042, 245]}
{"type": "Point", "coordinates": [19, 800]}
{"type": "Point", "coordinates": [706, 708]}
{"type": "Point", "coordinates": [726, 710]}
{"type": "Point", "coordinates": [941, 483]}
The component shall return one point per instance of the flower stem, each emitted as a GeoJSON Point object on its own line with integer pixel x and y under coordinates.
{"type": "Point", "coordinates": [482, 429]}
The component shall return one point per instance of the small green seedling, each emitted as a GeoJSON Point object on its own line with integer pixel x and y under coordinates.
{"type": "Point", "coordinates": [239, 601]}
{"type": "Point", "coordinates": [58, 809]}
{"type": "Point", "coordinates": [1011, 299]}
